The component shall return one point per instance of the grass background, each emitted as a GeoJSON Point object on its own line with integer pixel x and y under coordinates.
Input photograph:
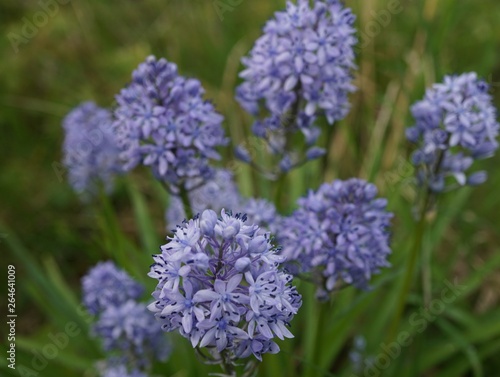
{"type": "Point", "coordinates": [87, 50]}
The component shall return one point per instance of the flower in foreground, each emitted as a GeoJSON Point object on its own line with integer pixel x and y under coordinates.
{"type": "Point", "coordinates": [90, 150]}
{"type": "Point", "coordinates": [338, 234]}
{"type": "Point", "coordinates": [455, 125]}
{"type": "Point", "coordinates": [220, 286]}
{"type": "Point", "coordinates": [163, 122]}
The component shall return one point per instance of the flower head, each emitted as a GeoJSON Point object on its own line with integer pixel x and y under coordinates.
{"type": "Point", "coordinates": [90, 148]}
{"type": "Point", "coordinates": [455, 125]}
{"type": "Point", "coordinates": [163, 122]}
{"type": "Point", "coordinates": [218, 277]}
{"type": "Point", "coordinates": [116, 368]}
{"type": "Point", "coordinates": [300, 68]}
{"type": "Point", "coordinates": [217, 193]}
{"type": "Point", "coordinates": [105, 285]}
{"type": "Point", "coordinates": [130, 329]}
{"type": "Point", "coordinates": [261, 212]}
{"type": "Point", "coordinates": [339, 233]}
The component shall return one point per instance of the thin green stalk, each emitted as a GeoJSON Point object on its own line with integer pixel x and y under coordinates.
{"type": "Point", "coordinates": [186, 203]}
{"type": "Point", "coordinates": [410, 268]}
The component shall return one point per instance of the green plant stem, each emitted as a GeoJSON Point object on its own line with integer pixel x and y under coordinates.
{"type": "Point", "coordinates": [410, 268]}
{"type": "Point", "coordinates": [426, 276]}
{"type": "Point", "coordinates": [185, 203]}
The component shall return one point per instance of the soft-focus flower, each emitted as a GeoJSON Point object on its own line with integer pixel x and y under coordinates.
{"type": "Point", "coordinates": [260, 212]}
{"type": "Point", "coordinates": [299, 69]}
{"type": "Point", "coordinates": [338, 233]}
{"type": "Point", "coordinates": [119, 371]}
{"type": "Point", "coordinates": [90, 150]}
{"type": "Point", "coordinates": [232, 297]}
{"type": "Point", "coordinates": [105, 285]}
{"type": "Point", "coordinates": [163, 122]}
{"type": "Point", "coordinates": [222, 192]}
{"type": "Point", "coordinates": [455, 125]}
{"type": "Point", "coordinates": [131, 330]}
{"type": "Point", "coordinates": [217, 193]}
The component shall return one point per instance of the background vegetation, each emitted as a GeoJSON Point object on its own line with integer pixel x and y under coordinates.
{"type": "Point", "coordinates": [87, 50]}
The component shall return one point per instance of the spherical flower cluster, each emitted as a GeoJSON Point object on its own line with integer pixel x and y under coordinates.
{"type": "Point", "coordinates": [217, 193]}
{"type": "Point", "coordinates": [106, 285]}
{"type": "Point", "coordinates": [300, 68]}
{"type": "Point", "coordinates": [339, 233]}
{"type": "Point", "coordinates": [119, 371]}
{"type": "Point", "coordinates": [163, 122]}
{"type": "Point", "coordinates": [128, 331]}
{"type": "Point", "coordinates": [90, 151]}
{"type": "Point", "coordinates": [131, 330]}
{"type": "Point", "coordinates": [219, 285]}
{"type": "Point", "coordinates": [455, 125]}
{"type": "Point", "coordinates": [262, 213]}
{"type": "Point", "coordinates": [222, 192]}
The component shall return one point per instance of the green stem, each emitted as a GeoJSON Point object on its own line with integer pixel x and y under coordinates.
{"type": "Point", "coordinates": [185, 203]}
{"type": "Point", "coordinates": [226, 365]}
{"type": "Point", "coordinates": [426, 276]}
{"type": "Point", "coordinates": [410, 268]}
{"type": "Point", "coordinates": [280, 198]}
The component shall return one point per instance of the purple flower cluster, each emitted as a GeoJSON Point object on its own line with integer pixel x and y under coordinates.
{"type": "Point", "coordinates": [90, 151]}
{"type": "Point", "coordinates": [118, 371]}
{"type": "Point", "coordinates": [262, 213]}
{"type": "Point", "coordinates": [300, 68]}
{"type": "Point", "coordinates": [217, 193]}
{"type": "Point", "coordinates": [106, 285]}
{"type": "Point", "coordinates": [455, 125]}
{"type": "Point", "coordinates": [219, 285]}
{"type": "Point", "coordinates": [338, 233]}
{"type": "Point", "coordinates": [163, 122]}
{"type": "Point", "coordinates": [221, 192]}
{"type": "Point", "coordinates": [128, 331]}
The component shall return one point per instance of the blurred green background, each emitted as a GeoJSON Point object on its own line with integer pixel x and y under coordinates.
{"type": "Point", "coordinates": [87, 49]}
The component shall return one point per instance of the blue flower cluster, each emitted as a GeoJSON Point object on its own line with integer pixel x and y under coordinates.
{"type": "Point", "coordinates": [90, 151]}
{"type": "Point", "coordinates": [105, 285]}
{"type": "Point", "coordinates": [221, 192]}
{"type": "Point", "coordinates": [163, 122]}
{"type": "Point", "coordinates": [300, 68]}
{"type": "Point", "coordinates": [338, 233]}
{"type": "Point", "coordinates": [455, 125]}
{"type": "Point", "coordinates": [219, 285]}
{"type": "Point", "coordinates": [128, 331]}
{"type": "Point", "coordinates": [118, 371]}
{"type": "Point", "coordinates": [217, 193]}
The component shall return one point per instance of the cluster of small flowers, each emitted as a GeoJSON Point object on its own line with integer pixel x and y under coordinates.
{"type": "Point", "coordinates": [162, 121]}
{"type": "Point", "coordinates": [113, 368]}
{"type": "Point", "coordinates": [300, 68]}
{"type": "Point", "coordinates": [455, 125]}
{"type": "Point", "coordinates": [90, 152]}
{"type": "Point", "coordinates": [219, 193]}
{"type": "Point", "coordinates": [219, 285]}
{"type": "Point", "coordinates": [337, 233]}
{"type": "Point", "coordinates": [128, 331]}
